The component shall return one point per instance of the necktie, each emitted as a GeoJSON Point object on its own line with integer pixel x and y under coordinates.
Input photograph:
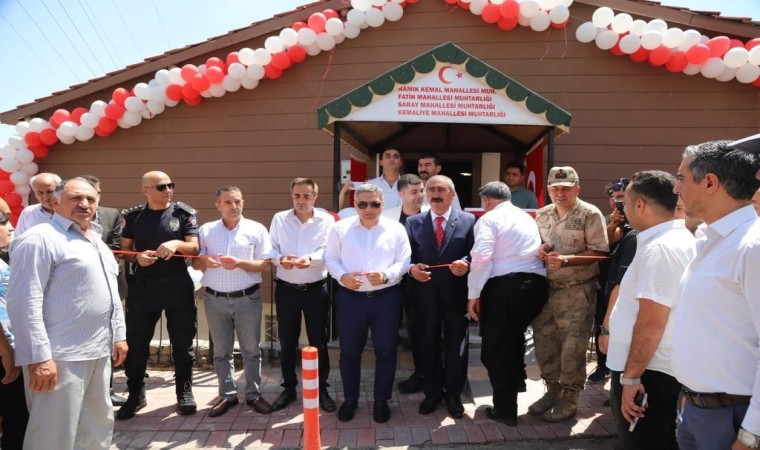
{"type": "Point", "coordinates": [439, 231]}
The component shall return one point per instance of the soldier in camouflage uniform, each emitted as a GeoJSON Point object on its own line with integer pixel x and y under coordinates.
{"type": "Point", "coordinates": [570, 228]}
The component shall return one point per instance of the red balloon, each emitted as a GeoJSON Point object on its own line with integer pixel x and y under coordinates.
{"type": "Point", "coordinates": [107, 125]}
{"type": "Point", "coordinates": [48, 137]}
{"type": "Point", "coordinates": [660, 56]}
{"type": "Point", "coordinates": [698, 54]}
{"type": "Point", "coordinates": [174, 92]}
{"type": "Point", "coordinates": [296, 53]}
{"type": "Point", "coordinates": [507, 24]}
{"type": "Point", "coordinates": [101, 133]}
{"type": "Point", "coordinates": [272, 72]}
{"type": "Point", "coordinates": [216, 62]}
{"type": "Point", "coordinates": [752, 43]}
{"type": "Point", "coordinates": [189, 92]}
{"type": "Point", "coordinates": [736, 43]}
{"type": "Point", "coordinates": [215, 75]}
{"type": "Point", "coordinates": [463, 5]}
{"type": "Point", "coordinates": [330, 14]}
{"type": "Point", "coordinates": [14, 217]}
{"type": "Point", "coordinates": [6, 187]}
{"type": "Point", "coordinates": [4, 175]}
{"type": "Point", "coordinates": [193, 101]}
{"type": "Point", "coordinates": [412, 1]}
{"type": "Point", "coordinates": [120, 96]}
{"type": "Point", "coordinates": [559, 25]}
{"type": "Point", "coordinates": [718, 46]}
{"type": "Point", "coordinates": [76, 115]}
{"type": "Point", "coordinates": [678, 61]}
{"type": "Point", "coordinates": [114, 111]}
{"type": "Point", "coordinates": [491, 13]}
{"type": "Point", "coordinates": [451, 2]}
{"type": "Point", "coordinates": [756, 82]}
{"type": "Point", "coordinates": [232, 58]}
{"type": "Point", "coordinates": [640, 55]}
{"type": "Point", "coordinates": [317, 22]}
{"type": "Point", "coordinates": [188, 72]}
{"type": "Point", "coordinates": [200, 82]}
{"type": "Point", "coordinates": [298, 25]}
{"type": "Point", "coordinates": [40, 151]}
{"type": "Point", "coordinates": [13, 199]}
{"type": "Point", "coordinates": [281, 61]}
{"type": "Point", "coordinates": [615, 50]}
{"type": "Point", "coordinates": [58, 117]}
{"type": "Point", "coordinates": [32, 138]}
{"type": "Point", "coordinates": [509, 9]}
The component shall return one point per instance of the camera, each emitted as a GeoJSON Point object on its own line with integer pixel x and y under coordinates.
{"type": "Point", "coordinates": [620, 206]}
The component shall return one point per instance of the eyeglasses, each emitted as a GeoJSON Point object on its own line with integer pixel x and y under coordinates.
{"type": "Point", "coordinates": [162, 187]}
{"type": "Point", "coordinates": [365, 205]}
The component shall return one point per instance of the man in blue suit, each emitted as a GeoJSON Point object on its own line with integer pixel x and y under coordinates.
{"type": "Point", "coordinates": [442, 236]}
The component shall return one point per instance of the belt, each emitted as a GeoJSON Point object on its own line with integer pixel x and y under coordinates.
{"type": "Point", "coordinates": [567, 284]}
{"type": "Point", "coordinates": [156, 280]}
{"type": "Point", "coordinates": [234, 294]}
{"type": "Point", "coordinates": [368, 294]}
{"type": "Point", "coordinates": [714, 400]}
{"type": "Point", "coordinates": [300, 287]}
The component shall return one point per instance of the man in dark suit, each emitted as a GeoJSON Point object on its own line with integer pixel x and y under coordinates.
{"type": "Point", "coordinates": [443, 235]}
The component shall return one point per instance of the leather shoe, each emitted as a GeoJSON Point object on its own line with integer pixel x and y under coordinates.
{"type": "Point", "coordinates": [118, 400]}
{"type": "Point", "coordinates": [325, 401]}
{"type": "Point", "coordinates": [429, 404]}
{"type": "Point", "coordinates": [411, 385]}
{"type": "Point", "coordinates": [259, 405]}
{"type": "Point", "coordinates": [456, 410]}
{"type": "Point", "coordinates": [381, 411]}
{"type": "Point", "coordinates": [493, 414]}
{"type": "Point", "coordinates": [286, 397]}
{"type": "Point", "coordinates": [222, 406]}
{"type": "Point", "coordinates": [134, 403]}
{"type": "Point", "coordinates": [346, 411]}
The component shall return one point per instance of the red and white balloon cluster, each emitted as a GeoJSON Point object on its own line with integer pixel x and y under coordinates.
{"type": "Point", "coordinates": [539, 15]}
{"type": "Point", "coordinates": [687, 51]}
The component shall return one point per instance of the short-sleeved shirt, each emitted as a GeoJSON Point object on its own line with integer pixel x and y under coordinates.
{"type": "Point", "coordinates": [581, 229]}
{"type": "Point", "coordinates": [523, 198]}
{"type": "Point", "coordinates": [150, 228]}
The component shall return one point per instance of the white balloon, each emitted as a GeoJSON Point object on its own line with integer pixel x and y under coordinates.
{"type": "Point", "coordinates": [254, 72]}
{"type": "Point", "coordinates": [25, 190]}
{"type": "Point", "coordinates": [146, 114]}
{"type": "Point", "coordinates": [712, 67]}
{"type": "Point", "coordinates": [522, 20]}
{"type": "Point", "coordinates": [60, 134]}
{"type": "Point", "coordinates": [289, 37]}
{"type": "Point", "coordinates": [132, 118]}
{"type": "Point", "coordinates": [206, 94]}
{"type": "Point", "coordinates": [559, 14]}
{"type": "Point", "coordinates": [155, 107]}
{"type": "Point", "coordinates": [313, 50]}
{"type": "Point", "coordinates": [89, 120]}
{"type": "Point", "coordinates": [37, 124]}
{"type": "Point", "coordinates": [142, 91]}
{"type": "Point", "coordinates": [217, 90]}
{"type": "Point", "coordinates": [703, 39]}
{"type": "Point", "coordinates": [162, 77]}
{"type": "Point", "coordinates": [236, 70]}
{"type": "Point", "coordinates": [375, 17]}
{"type": "Point", "coordinates": [747, 73]}
{"type": "Point", "coordinates": [754, 58]}
{"type": "Point", "coordinates": [85, 133]}
{"type": "Point", "coordinates": [202, 69]}
{"type": "Point", "coordinates": [7, 152]}
{"type": "Point", "coordinates": [638, 27]}
{"type": "Point", "coordinates": [658, 25]}
{"type": "Point", "coordinates": [651, 39]}
{"type": "Point", "coordinates": [16, 142]}
{"type": "Point", "coordinates": [19, 177]}
{"type": "Point", "coordinates": [325, 42]}
{"type": "Point", "coordinates": [23, 127]}
{"type": "Point", "coordinates": [567, 3]}
{"type": "Point", "coordinates": [24, 156]}
{"type": "Point", "coordinates": [352, 31]}
{"type": "Point", "coordinates": [339, 38]}
{"type": "Point", "coordinates": [273, 44]}
{"type": "Point", "coordinates": [261, 57]}
{"type": "Point", "coordinates": [68, 128]}
{"type": "Point", "coordinates": [245, 56]}
{"type": "Point", "coordinates": [529, 8]}
{"type": "Point", "coordinates": [630, 44]}
{"type": "Point", "coordinates": [334, 26]}
{"type": "Point", "coordinates": [377, 2]}
{"type": "Point", "coordinates": [586, 32]}
{"type": "Point", "coordinates": [157, 94]}
{"type": "Point", "coordinates": [9, 165]}
{"type": "Point", "coordinates": [306, 36]}
{"type": "Point", "coordinates": [231, 84]}
{"type": "Point", "coordinates": [171, 103]}
{"type": "Point", "coordinates": [736, 57]}
{"type": "Point", "coordinates": [672, 37]}
{"type": "Point", "coordinates": [621, 23]}
{"type": "Point", "coordinates": [547, 5]}
{"type": "Point", "coordinates": [361, 5]}
{"type": "Point", "coordinates": [153, 83]}
{"type": "Point", "coordinates": [498, 2]}
{"type": "Point", "coordinates": [690, 38]}
{"type": "Point", "coordinates": [602, 17]}
{"type": "Point", "coordinates": [540, 22]}
{"type": "Point", "coordinates": [728, 74]}
{"type": "Point", "coordinates": [134, 104]}
{"type": "Point", "coordinates": [30, 169]}
{"type": "Point", "coordinates": [692, 69]}
{"type": "Point", "coordinates": [356, 17]}
{"type": "Point", "coordinates": [476, 6]}
{"type": "Point", "coordinates": [68, 140]}
{"type": "Point", "coordinates": [393, 12]}
{"type": "Point", "coordinates": [249, 83]}
{"type": "Point", "coordinates": [606, 39]}
{"type": "Point", "coordinates": [175, 76]}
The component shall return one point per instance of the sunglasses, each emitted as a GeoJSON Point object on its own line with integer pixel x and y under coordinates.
{"type": "Point", "coordinates": [163, 186]}
{"type": "Point", "coordinates": [365, 205]}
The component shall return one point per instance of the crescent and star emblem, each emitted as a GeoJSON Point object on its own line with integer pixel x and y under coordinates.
{"type": "Point", "coordinates": [448, 74]}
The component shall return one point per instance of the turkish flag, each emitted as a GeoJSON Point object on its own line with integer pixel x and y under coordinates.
{"type": "Point", "coordinates": [534, 171]}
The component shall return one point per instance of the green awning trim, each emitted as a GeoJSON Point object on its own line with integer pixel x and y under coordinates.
{"type": "Point", "coordinates": [447, 53]}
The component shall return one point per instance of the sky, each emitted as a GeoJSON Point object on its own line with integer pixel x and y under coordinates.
{"type": "Point", "coordinates": [49, 45]}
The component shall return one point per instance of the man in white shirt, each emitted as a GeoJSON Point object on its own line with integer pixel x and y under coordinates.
{"type": "Point", "coordinates": [412, 194]}
{"type": "Point", "coordinates": [43, 185]}
{"type": "Point", "coordinates": [717, 318]}
{"type": "Point", "coordinates": [299, 236]}
{"type": "Point", "coordinates": [234, 251]}
{"type": "Point", "coordinates": [368, 255]}
{"type": "Point", "coordinates": [640, 343]}
{"type": "Point", "coordinates": [392, 163]}
{"type": "Point", "coordinates": [507, 288]}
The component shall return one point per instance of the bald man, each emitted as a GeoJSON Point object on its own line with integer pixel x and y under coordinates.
{"type": "Point", "coordinates": [161, 231]}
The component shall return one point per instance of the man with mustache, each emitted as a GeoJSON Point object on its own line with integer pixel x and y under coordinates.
{"type": "Point", "coordinates": [43, 185]}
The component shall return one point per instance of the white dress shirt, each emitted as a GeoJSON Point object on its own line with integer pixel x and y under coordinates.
{"type": "Point", "coordinates": [434, 217]}
{"type": "Point", "coordinates": [29, 217]}
{"type": "Point", "coordinates": [506, 241]}
{"type": "Point", "coordinates": [390, 193]}
{"type": "Point", "coordinates": [717, 319]}
{"type": "Point", "coordinates": [291, 237]}
{"type": "Point", "coordinates": [662, 254]}
{"type": "Point", "coordinates": [352, 248]}
{"type": "Point", "coordinates": [248, 240]}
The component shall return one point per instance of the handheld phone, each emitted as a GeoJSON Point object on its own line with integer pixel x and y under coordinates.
{"type": "Point", "coordinates": [639, 400]}
{"type": "Point", "coordinates": [620, 206]}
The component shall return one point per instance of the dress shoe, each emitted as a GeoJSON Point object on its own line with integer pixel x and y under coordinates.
{"type": "Point", "coordinates": [325, 401]}
{"type": "Point", "coordinates": [117, 400]}
{"type": "Point", "coordinates": [454, 405]}
{"type": "Point", "coordinates": [259, 405]}
{"type": "Point", "coordinates": [429, 404]}
{"type": "Point", "coordinates": [411, 385]}
{"type": "Point", "coordinates": [498, 416]}
{"type": "Point", "coordinates": [186, 403]}
{"type": "Point", "coordinates": [222, 406]}
{"type": "Point", "coordinates": [600, 374]}
{"type": "Point", "coordinates": [346, 411]}
{"type": "Point", "coordinates": [134, 403]}
{"type": "Point", "coordinates": [286, 397]}
{"type": "Point", "coordinates": [381, 411]}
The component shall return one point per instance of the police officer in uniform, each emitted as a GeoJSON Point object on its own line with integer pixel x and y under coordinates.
{"type": "Point", "coordinates": [158, 230]}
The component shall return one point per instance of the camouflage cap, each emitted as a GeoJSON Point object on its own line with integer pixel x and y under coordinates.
{"type": "Point", "coordinates": [563, 176]}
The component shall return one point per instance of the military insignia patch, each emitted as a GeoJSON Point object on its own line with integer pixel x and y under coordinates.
{"type": "Point", "coordinates": [174, 224]}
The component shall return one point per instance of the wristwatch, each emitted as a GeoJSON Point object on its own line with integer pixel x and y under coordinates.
{"type": "Point", "coordinates": [748, 439]}
{"type": "Point", "coordinates": [603, 331]}
{"type": "Point", "coordinates": [629, 381]}
{"type": "Point", "coordinates": [565, 261]}
{"type": "Point", "coordinates": [385, 279]}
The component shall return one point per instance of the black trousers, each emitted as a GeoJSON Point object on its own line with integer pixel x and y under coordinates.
{"type": "Point", "coordinates": [601, 310]}
{"type": "Point", "coordinates": [657, 430]}
{"type": "Point", "coordinates": [146, 300]}
{"type": "Point", "coordinates": [313, 303]}
{"type": "Point", "coordinates": [411, 321]}
{"type": "Point", "coordinates": [508, 304]}
{"type": "Point", "coordinates": [14, 413]}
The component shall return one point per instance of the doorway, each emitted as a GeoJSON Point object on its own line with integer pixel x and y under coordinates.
{"type": "Point", "coordinates": [461, 172]}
